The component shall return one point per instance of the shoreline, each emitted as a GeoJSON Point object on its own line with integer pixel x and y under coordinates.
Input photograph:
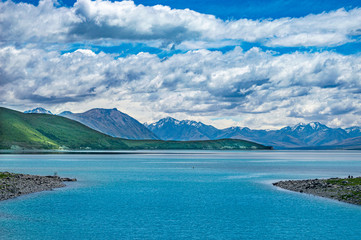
{"type": "Point", "coordinates": [346, 190]}
{"type": "Point", "coordinates": [13, 185]}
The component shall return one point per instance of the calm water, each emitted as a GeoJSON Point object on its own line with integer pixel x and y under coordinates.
{"type": "Point", "coordinates": [186, 195]}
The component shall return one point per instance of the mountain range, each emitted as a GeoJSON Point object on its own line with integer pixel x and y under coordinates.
{"type": "Point", "coordinates": [173, 129]}
{"type": "Point", "coordinates": [302, 135]}
{"type": "Point", "coordinates": [312, 135]}
{"type": "Point", "coordinates": [21, 131]}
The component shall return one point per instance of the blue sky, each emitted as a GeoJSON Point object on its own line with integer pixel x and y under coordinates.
{"type": "Point", "coordinates": [235, 9]}
{"type": "Point", "coordinates": [261, 64]}
{"type": "Point", "coordinates": [253, 9]}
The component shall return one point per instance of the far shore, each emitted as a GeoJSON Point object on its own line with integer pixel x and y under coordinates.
{"type": "Point", "coordinates": [135, 151]}
{"type": "Point", "coordinates": [13, 185]}
{"type": "Point", "coordinates": [342, 189]}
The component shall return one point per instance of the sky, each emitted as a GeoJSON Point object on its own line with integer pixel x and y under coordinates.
{"type": "Point", "coordinates": [252, 63]}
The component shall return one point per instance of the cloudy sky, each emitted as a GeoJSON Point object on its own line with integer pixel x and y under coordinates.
{"type": "Point", "coordinates": [257, 63]}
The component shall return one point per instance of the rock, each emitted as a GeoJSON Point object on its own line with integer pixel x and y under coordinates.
{"type": "Point", "coordinates": [335, 188]}
{"type": "Point", "coordinates": [69, 179]}
{"type": "Point", "coordinates": [14, 185]}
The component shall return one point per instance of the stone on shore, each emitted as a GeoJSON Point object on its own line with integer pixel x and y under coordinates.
{"type": "Point", "coordinates": [341, 189]}
{"type": "Point", "coordinates": [13, 184]}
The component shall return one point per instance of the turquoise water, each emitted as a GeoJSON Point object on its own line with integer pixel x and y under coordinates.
{"type": "Point", "coordinates": [181, 195]}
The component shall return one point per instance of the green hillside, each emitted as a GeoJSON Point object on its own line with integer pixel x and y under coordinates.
{"type": "Point", "coordinates": [43, 131]}
{"type": "Point", "coordinates": [221, 144]}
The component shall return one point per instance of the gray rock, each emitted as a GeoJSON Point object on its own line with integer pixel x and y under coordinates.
{"type": "Point", "coordinates": [334, 188]}
{"type": "Point", "coordinates": [13, 185]}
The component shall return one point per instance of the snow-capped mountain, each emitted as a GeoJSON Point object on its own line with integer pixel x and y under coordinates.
{"type": "Point", "coordinates": [118, 124]}
{"type": "Point", "coordinates": [353, 131]}
{"type": "Point", "coordinates": [173, 129]}
{"type": "Point", "coordinates": [300, 135]}
{"type": "Point", "coordinates": [312, 126]}
{"type": "Point", "coordinates": [38, 110]}
{"type": "Point", "coordinates": [313, 134]}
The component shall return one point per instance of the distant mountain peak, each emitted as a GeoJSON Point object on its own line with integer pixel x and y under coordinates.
{"type": "Point", "coordinates": [102, 109]}
{"type": "Point", "coordinates": [166, 120]}
{"type": "Point", "coordinates": [108, 109]}
{"type": "Point", "coordinates": [239, 128]}
{"type": "Point", "coordinates": [173, 129]}
{"type": "Point", "coordinates": [192, 123]}
{"type": "Point", "coordinates": [113, 122]}
{"type": "Point", "coordinates": [39, 110]}
{"type": "Point", "coordinates": [317, 126]}
{"type": "Point", "coordinates": [105, 111]}
{"type": "Point", "coordinates": [298, 126]}
{"type": "Point", "coordinates": [311, 125]}
{"type": "Point", "coordinates": [170, 120]}
{"type": "Point", "coordinates": [65, 113]}
{"type": "Point", "coordinates": [353, 129]}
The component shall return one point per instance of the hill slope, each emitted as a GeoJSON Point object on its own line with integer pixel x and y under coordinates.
{"type": "Point", "coordinates": [220, 144]}
{"type": "Point", "coordinates": [350, 143]}
{"type": "Point", "coordinates": [44, 131]}
{"type": "Point", "coordinates": [112, 122]}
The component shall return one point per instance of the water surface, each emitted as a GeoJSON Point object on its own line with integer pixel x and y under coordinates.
{"type": "Point", "coordinates": [181, 195]}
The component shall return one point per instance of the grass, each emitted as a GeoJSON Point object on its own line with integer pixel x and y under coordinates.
{"type": "Point", "coordinates": [221, 144]}
{"type": "Point", "coordinates": [352, 195]}
{"type": "Point", "coordinates": [43, 131]}
{"type": "Point", "coordinates": [345, 181]}
{"type": "Point", "coordinates": [4, 175]}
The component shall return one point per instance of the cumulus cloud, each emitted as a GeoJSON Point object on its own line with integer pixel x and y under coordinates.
{"type": "Point", "coordinates": [94, 20]}
{"type": "Point", "coordinates": [259, 88]}
{"type": "Point", "coordinates": [255, 88]}
{"type": "Point", "coordinates": [23, 23]}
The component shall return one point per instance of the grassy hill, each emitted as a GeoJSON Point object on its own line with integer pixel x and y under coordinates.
{"type": "Point", "coordinates": [43, 131]}
{"type": "Point", "coordinates": [221, 144]}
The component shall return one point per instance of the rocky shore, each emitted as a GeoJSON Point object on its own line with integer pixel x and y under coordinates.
{"type": "Point", "coordinates": [13, 184]}
{"type": "Point", "coordinates": [341, 189]}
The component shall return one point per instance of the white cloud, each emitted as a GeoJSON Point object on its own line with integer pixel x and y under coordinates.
{"type": "Point", "coordinates": [24, 23]}
{"type": "Point", "coordinates": [255, 88]}
{"type": "Point", "coordinates": [94, 20]}
{"type": "Point", "coordinates": [325, 29]}
{"type": "Point", "coordinates": [259, 89]}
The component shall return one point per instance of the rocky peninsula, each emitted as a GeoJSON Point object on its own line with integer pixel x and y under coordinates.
{"type": "Point", "coordinates": [13, 184]}
{"type": "Point", "coordinates": [342, 189]}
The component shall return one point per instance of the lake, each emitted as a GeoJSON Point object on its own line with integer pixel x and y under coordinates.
{"type": "Point", "coordinates": [181, 195]}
